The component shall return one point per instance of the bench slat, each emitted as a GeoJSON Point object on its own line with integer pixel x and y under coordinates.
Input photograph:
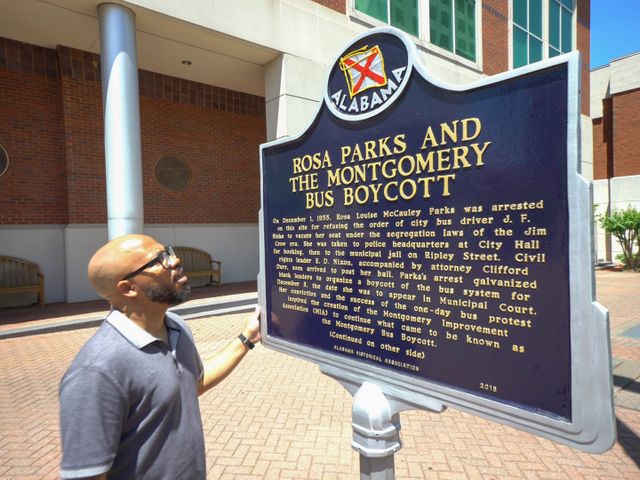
{"type": "Point", "coordinates": [198, 263]}
{"type": "Point", "coordinates": [20, 276]}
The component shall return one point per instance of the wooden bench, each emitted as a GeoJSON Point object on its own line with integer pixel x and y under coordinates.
{"type": "Point", "coordinates": [198, 263]}
{"type": "Point", "coordinates": [21, 276]}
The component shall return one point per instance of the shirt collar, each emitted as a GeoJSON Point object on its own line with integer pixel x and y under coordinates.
{"type": "Point", "coordinates": [138, 336]}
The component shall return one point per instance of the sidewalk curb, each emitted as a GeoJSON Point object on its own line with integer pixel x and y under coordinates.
{"type": "Point", "coordinates": [215, 307]}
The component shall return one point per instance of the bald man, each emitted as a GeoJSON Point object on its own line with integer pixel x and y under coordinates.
{"type": "Point", "coordinates": [128, 403]}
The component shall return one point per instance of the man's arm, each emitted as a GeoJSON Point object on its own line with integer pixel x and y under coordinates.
{"type": "Point", "coordinates": [221, 364]}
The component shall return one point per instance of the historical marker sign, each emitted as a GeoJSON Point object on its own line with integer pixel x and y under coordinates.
{"type": "Point", "coordinates": [437, 239]}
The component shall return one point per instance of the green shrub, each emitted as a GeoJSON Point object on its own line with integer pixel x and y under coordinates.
{"type": "Point", "coordinates": [622, 258]}
{"type": "Point", "coordinates": [624, 225]}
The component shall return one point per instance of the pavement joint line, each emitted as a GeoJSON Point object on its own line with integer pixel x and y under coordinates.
{"type": "Point", "coordinates": [62, 326]}
{"type": "Point", "coordinates": [217, 307]}
{"type": "Point", "coordinates": [215, 300]}
{"type": "Point", "coordinates": [220, 311]}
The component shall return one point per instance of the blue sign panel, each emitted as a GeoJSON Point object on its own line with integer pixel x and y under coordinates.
{"type": "Point", "coordinates": [423, 232]}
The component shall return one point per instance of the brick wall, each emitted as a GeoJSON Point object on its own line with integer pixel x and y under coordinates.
{"type": "Point", "coordinates": [221, 149]}
{"type": "Point", "coordinates": [603, 142]}
{"type": "Point", "coordinates": [599, 150]}
{"type": "Point", "coordinates": [626, 132]}
{"type": "Point", "coordinates": [51, 124]}
{"type": "Point", "coordinates": [495, 36]}
{"type": "Point", "coordinates": [84, 151]}
{"type": "Point", "coordinates": [33, 190]}
{"type": "Point", "coordinates": [583, 43]}
{"type": "Point", "coordinates": [615, 137]}
{"type": "Point", "coordinates": [337, 5]}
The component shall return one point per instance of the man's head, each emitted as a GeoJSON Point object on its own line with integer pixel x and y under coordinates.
{"type": "Point", "coordinates": [136, 268]}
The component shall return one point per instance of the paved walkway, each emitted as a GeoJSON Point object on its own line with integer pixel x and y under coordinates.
{"type": "Point", "coordinates": [17, 321]}
{"type": "Point", "coordinates": [278, 417]}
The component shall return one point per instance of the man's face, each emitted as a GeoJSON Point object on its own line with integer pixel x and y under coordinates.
{"type": "Point", "coordinates": [160, 283]}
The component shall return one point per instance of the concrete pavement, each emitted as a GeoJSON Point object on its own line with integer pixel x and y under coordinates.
{"type": "Point", "coordinates": [278, 417]}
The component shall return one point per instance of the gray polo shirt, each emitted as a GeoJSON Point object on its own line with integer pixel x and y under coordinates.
{"type": "Point", "coordinates": [129, 405]}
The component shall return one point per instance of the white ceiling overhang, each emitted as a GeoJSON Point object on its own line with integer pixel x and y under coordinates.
{"type": "Point", "coordinates": [163, 42]}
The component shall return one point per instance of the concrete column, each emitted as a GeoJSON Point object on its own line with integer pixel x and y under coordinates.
{"type": "Point", "coordinates": [601, 200]}
{"type": "Point", "coordinates": [293, 89]}
{"type": "Point", "coordinates": [123, 157]}
{"type": "Point", "coordinates": [586, 147]}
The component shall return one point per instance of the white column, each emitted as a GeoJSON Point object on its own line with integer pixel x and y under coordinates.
{"type": "Point", "coordinates": [293, 89]}
{"type": "Point", "coordinates": [601, 200]}
{"type": "Point", "coordinates": [123, 157]}
{"type": "Point", "coordinates": [586, 147]}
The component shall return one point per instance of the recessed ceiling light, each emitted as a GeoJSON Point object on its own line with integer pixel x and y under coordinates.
{"type": "Point", "coordinates": [186, 62]}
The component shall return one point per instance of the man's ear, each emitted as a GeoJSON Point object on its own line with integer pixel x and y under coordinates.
{"type": "Point", "coordinates": [126, 289]}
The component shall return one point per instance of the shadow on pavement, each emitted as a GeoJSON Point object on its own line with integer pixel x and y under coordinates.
{"type": "Point", "coordinates": [629, 441]}
{"type": "Point", "coordinates": [628, 384]}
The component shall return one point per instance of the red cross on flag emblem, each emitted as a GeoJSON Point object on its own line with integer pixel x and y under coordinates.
{"type": "Point", "coordinates": [363, 69]}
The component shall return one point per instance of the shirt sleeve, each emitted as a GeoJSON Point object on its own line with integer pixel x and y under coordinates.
{"type": "Point", "coordinates": [92, 413]}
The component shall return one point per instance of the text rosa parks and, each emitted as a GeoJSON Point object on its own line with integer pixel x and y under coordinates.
{"type": "Point", "coordinates": [382, 168]}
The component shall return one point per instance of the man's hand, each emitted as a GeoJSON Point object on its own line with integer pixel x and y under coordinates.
{"type": "Point", "coordinates": [252, 327]}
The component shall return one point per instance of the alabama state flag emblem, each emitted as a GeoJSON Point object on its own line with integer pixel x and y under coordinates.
{"type": "Point", "coordinates": [363, 69]}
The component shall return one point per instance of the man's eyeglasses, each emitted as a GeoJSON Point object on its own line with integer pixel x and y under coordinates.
{"type": "Point", "coordinates": [166, 258]}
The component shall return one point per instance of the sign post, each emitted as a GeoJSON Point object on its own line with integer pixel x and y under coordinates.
{"type": "Point", "coordinates": [429, 245]}
{"type": "Point", "coordinates": [376, 421]}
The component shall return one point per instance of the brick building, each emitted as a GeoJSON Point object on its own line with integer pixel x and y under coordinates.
{"type": "Point", "coordinates": [615, 103]}
{"type": "Point", "coordinates": [216, 79]}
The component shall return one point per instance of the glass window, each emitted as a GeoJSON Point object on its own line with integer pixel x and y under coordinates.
{"type": "Point", "coordinates": [452, 26]}
{"type": "Point", "coordinates": [520, 13]}
{"type": "Point", "coordinates": [527, 32]}
{"type": "Point", "coordinates": [566, 25]}
{"type": "Point", "coordinates": [374, 8]}
{"type": "Point", "coordinates": [530, 42]}
{"type": "Point", "coordinates": [535, 49]}
{"type": "Point", "coordinates": [554, 24]}
{"type": "Point", "coordinates": [535, 17]}
{"type": "Point", "coordinates": [520, 48]}
{"type": "Point", "coordinates": [466, 29]}
{"type": "Point", "coordinates": [404, 15]}
{"type": "Point", "coordinates": [440, 24]}
{"type": "Point", "coordinates": [452, 23]}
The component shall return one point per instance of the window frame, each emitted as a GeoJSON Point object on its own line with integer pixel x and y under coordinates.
{"type": "Point", "coordinates": [422, 40]}
{"type": "Point", "coordinates": [546, 44]}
